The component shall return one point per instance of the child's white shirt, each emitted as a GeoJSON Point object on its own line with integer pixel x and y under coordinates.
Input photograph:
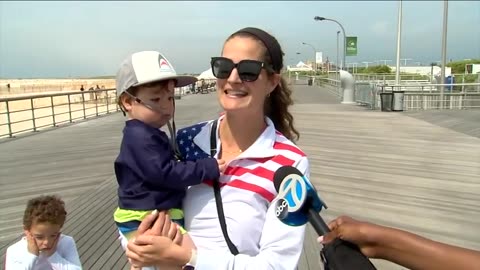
{"type": "Point", "coordinates": [65, 257]}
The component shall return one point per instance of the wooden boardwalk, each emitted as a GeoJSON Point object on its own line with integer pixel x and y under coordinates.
{"type": "Point", "coordinates": [388, 168]}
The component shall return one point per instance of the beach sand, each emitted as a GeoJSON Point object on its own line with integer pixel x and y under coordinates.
{"type": "Point", "coordinates": [33, 86]}
{"type": "Point", "coordinates": [21, 113]}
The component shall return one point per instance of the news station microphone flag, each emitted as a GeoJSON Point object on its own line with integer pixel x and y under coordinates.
{"type": "Point", "coordinates": [298, 203]}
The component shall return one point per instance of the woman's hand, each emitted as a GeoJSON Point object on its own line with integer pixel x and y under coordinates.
{"type": "Point", "coordinates": [148, 250]}
{"type": "Point", "coordinates": [159, 224]}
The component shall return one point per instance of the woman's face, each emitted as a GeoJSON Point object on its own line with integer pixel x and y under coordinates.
{"type": "Point", "coordinates": [235, 94]}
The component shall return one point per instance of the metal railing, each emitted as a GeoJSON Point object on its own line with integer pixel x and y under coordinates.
{"type": "Point", "coordinates": [383, 77]}
{"type": "Point", "coordinates": [332, 85]}
{"type": "Point", "coordinates": [430, 98]}
{"type": "Point", "coordinates": [390, 77]}
{"type": "Point", "coordinates": [416, 96]}
{"type": "Point", "coordinates": [34, 112]}
{"type": "Point", "coordinates": [366, 94]}
{"type": "Point", "coordinates": [22, 114]}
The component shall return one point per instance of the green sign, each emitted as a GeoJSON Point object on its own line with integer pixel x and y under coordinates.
{"type": "Point", "coordinates": [351, 46]}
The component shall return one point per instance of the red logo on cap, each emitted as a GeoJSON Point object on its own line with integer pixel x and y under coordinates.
{"type": "Point", "coordinates": [164, 62]}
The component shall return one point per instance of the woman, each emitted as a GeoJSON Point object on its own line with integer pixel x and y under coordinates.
{"type": "Point", "coordinates": [254, 136]}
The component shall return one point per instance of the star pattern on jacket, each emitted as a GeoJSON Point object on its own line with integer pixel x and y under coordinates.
{"type": "Point", "coordinates": [188, 149]}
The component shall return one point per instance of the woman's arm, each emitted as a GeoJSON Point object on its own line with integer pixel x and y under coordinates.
{"type": "Point", "coordinates": [280, 247]}
{"type": "Point", "coordinates": [401, 247]}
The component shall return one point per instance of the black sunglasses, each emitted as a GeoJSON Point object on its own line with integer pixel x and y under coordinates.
{"type": "Point", "coordinates": [248, 70]}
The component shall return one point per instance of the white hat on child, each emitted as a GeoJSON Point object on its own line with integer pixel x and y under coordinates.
{"type": "Point", "coordinates": [147, 67]}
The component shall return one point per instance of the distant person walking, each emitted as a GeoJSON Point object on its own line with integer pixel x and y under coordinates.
{"type": "Point", "coordinates": [92, 94]}
{"type": "Point", "coordinates": [97, 92]}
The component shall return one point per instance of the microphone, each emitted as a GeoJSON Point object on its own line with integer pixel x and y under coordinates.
{"type": "Point", "coordinates": [299, 203]}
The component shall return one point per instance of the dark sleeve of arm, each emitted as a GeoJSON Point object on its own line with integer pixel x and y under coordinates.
{"type": "Point", "coordinates": [154, 160]}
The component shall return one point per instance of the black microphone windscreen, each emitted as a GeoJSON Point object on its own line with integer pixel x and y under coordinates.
{"type": "Point", "coordinates": [283, 172]}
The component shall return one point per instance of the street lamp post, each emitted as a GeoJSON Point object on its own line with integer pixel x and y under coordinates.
{"type": "Point", "coordinates": [296, 73]}
{"type": "Point", "coordinates": [318, 18]}
{"type": "Point", "coordinates": [347, 82]}
{"type": "Point", "coordinates": [338, 33]}
{"type": "Point", "coordinates": [444, 52]}
{"type": "Point", "coordinates": [399, 42]}
{"type": "Point", "coordinates": [314, 56]}
{"type": "Point", "coordinates": [338, 64]}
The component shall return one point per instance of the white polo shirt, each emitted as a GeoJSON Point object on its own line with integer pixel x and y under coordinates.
{"type": "Point", "coordinates": [247, 191]}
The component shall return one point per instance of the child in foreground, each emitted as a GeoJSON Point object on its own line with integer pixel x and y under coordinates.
{"type": "Point", "coordinates": [43, 247]}
{"type": "Point", "coordinates": [149, 175]}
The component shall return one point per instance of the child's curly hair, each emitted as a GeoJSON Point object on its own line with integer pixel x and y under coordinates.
{"type": "Point", "coordinates": [44, 209]}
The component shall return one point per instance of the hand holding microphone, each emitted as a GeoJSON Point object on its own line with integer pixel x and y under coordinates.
{"type": "Point", "coordinates": [298, 203]}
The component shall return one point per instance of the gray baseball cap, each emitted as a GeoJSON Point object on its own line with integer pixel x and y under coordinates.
{"type": "Point", "coordinates": [147, 67]}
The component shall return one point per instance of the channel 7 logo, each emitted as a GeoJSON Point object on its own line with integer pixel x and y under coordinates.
{"type": "Point", "coordinates": [292, 194]}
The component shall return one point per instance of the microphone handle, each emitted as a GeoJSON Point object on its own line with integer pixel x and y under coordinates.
{"type": "Point", "coordinates": [339, 254]}
{"type": "Point", "coordinates": [343, 255]}
{"type": "Point", "coordinates": [317, 222]}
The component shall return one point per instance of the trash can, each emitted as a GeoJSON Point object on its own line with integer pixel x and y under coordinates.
{"type": "Point", "coordinates": [449, 80]}
{"type": "Point", "coordinates": [310, 81]}
{"type": "Point", "coordinates": [398, 101]}
{"type": "Point", "coordinates": [386, 102]}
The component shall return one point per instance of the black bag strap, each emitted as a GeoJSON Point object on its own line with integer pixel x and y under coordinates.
{"type": "Point", "coordinates": [216, 191]}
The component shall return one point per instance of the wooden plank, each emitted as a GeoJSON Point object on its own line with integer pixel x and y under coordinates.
{"type": "Point", "coordinates": [386, 168]}
{"type": "Point", "coordinates": [464, 121]}
{"type": "Point", "coordinates": [311, 250]}
{"type": "Point", "coordinates": [74, 160]}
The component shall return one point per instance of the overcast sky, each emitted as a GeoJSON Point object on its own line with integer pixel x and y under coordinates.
{"type": "Point", "coordinates": [63, 39]}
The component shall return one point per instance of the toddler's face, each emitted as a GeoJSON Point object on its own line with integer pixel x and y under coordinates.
{"type": "Point", "coordinates": [159, 98]}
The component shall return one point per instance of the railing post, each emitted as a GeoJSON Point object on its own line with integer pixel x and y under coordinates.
{"type": "Point", "coordinates": [423, 99]}
{"type": "Point", "coordinates": [69, 108]}
{"type": "Point", "coordinates": [33, 115]}
{"type": "Point", "coordinates": [83, 105]}
{"type": "Point", "coordinates": [108, 101]}
{"type": "Point", "coordinates": [8, 120]}
{"type": "Point", "coordinates": [96, 103]}
{"type": "Point", "coordinates": [53, 111]}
